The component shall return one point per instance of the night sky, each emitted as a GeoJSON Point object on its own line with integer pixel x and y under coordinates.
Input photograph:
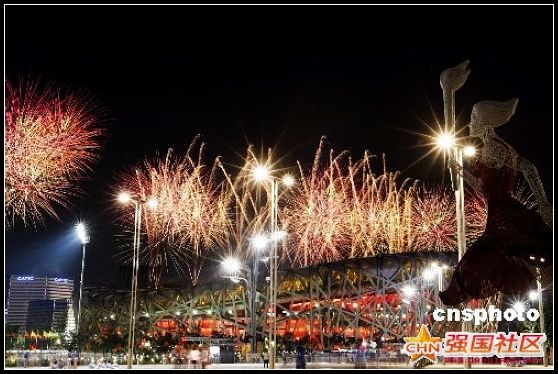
{"type": "Point", "coordinates": [366, 77]}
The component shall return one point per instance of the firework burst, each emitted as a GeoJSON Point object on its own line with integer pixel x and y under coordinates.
{"type": "Point", "coordinates": [342, 209]}
{"type": "Point", "coordinates": [317, 214]}
{"type": "Point", "coordinates": [191, 216]}
{"type": "Point", "coordinates": [339, 209]}
{"type": "Point", "coordinates": [51, 140]}
{"type": "Point", "coordinates": [248, 201]}
{"type": "Point", "coordinates": [434, 219]}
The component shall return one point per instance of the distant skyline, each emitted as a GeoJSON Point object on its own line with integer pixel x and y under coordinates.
{"type": "Point", "coordinates": [281, 77]}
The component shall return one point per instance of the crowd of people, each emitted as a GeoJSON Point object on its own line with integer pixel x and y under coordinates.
{"type": "Point", "coordinates": [196, 357]}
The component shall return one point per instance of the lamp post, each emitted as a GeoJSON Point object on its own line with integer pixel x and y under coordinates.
{"type": "Point", "coordinates": [409, 291]}
{"type": "Point", "coordinates": [436, 270]}
{"type": "Point", "coordinates": [273, 275]}
{"type": "Point", "coordinates": [537, 295]}
{"type": "Point", "coordinates": [455, 153]}
{"type": "Point", "coordinates": [125, 198]}
{"type": "Point", "coordinates": [84, 238]}
{"type": "Point", "coordinates": [232, 267]}
{"type": "Point", "coordinates": [541, 318]}
{"type": "Point", "coordinates": [263, 174]}
{"type": "Point", "coordinates": [259, 243]}
{"type": "Point", "coordinates": [451, 80]}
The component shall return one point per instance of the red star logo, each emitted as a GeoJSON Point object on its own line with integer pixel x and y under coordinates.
{"type": "Point", "coordinates": [422, 337]}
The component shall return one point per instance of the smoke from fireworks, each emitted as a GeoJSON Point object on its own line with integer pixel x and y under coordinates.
{"type": "Point", "coordinates": [51, 139]}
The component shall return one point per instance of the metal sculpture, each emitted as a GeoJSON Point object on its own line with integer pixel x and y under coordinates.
{"type": "Point", "coordinates": [516, 238]}
{"type": "Point", "coordinates": [496, 153]}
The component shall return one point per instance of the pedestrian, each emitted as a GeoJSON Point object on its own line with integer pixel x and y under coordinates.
{"type": "Point", "coordinates": [25, 359]}
{"type": "Point", "coordinates": [194, 356]}
{"type": "Point", "coordinates": [265, 357]}
{"type": "Point", "coordinates": [205, 357]}
{"type": "Point", "coordinates": [360, 359]}
{"type": "Point", "coordinates": [74, 360]}
{"type": "Point", "coordinates": [300, 357]}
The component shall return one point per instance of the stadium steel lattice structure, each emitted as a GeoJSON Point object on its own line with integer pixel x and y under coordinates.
{"type": "Point", "coordinates": [350, 299]}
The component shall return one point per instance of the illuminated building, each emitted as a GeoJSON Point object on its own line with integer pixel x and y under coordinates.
{"type": "Point", "coordinates": [27, 294]}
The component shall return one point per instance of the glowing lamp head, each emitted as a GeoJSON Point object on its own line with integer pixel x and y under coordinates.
{"type": "Point", "coordinates": [469, 151]}
{"type": "Point", "coordinates": [231, 265]}
{"type": "Point", "coordinates": [278, 235]}
{"type": "Point", "coordinates": [533, 295]}
{"type": "Point", "coordinates": [260, 241]}
{"type": "Point", "coordinates": [519, 306]}
{"type": "Point", "coordinates": [124, 197]}
{"type": "Point", "coordinates": [445, 141]}
{"type": "Point", "coordinates": [82, 233]}
{"type": "Point", "coordinates": [288, 180]}
{"type": "Point", "coordinates": [428, 274]}
{"type": "Point", "coordinates": [152, 203]}
{"type": "Point", "coordinates": [409, 291]}
{"type": "Point", "coordinates": [260, 173]}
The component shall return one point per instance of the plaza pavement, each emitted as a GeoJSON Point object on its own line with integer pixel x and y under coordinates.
{"type": "Point", "coordinates": [310, 366]}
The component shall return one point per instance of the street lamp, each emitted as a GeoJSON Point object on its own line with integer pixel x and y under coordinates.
{"type": "Point", "coordinates": [436, 270]}
{"type": "Point", "coordinates": [288, 180]}
{"type": "Point", "coordinates": [451, 80]}
{"type": "Point", "coordinates": [278, 235]}
{"type": "Point", "coordinates": [262, 174]}
{"type": "Point", "coordinates": [519, 306]}
{"type": "Point", "coordinates": [537, 295]}
{"type": "Point", "coordinates": [232, 266]}
{"type": "Point", "coordinates": [469, 151]}
{"type": "Point", "coordinates": [84, 238]}
{"type": "Point", "coordinates": [125, 198]}
{"type": "Point", "coordinates": [409, 292]}
{"type": "Point", "coordinates": [445, 141]}
{"type": "Point", "coordinates": [260, 241]}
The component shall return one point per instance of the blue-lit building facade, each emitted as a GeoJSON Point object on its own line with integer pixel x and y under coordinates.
{"type": "Point", "coordinates": [40, 303]}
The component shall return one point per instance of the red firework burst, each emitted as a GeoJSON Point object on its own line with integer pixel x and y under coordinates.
{"type": "Point", "coordinates": [51, 139]}
{"type": "Point", "coordinates": [434, 219]}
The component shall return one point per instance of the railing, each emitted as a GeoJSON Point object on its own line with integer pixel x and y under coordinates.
{"type": "Point", "coordinates": [351, 358]}
{"type": "Point", "coordinates": [393, 359]}
{"type": "Point", "coordinates": [377, 359]}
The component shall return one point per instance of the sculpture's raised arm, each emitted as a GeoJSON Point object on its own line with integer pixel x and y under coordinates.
{"type": "Point", "coordinates": [468, 178]}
